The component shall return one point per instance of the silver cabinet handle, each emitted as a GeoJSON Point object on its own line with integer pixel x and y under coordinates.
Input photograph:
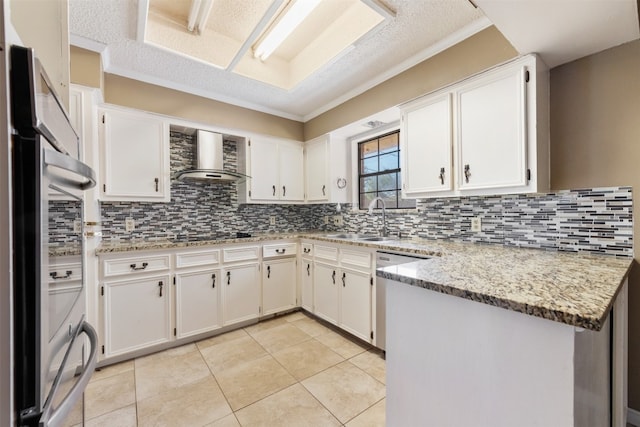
{"type": "Point", "coordinates": [68, 163]}
{"type": "Point", "coordinates": [58, 416]}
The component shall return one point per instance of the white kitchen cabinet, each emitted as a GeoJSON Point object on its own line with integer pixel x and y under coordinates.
{"type": "Point", "coordinates": [278, 285]}
{"type": "Point", "coordinates": [240, 293]}
{"type": "Point", "coordinates": [198, 302]}
{"type": "Point", "coordinates": [326, 292]}
{"type": "Point", "coordinates": [137, 314]}
{"type": "Point", "coordinates": [316, 165]}
{"type": "Point", "coordinates": [486, 135]}
{"type": "Point", "coordinates": [355, 303]}
{"type": "Point", "coordinates": [427, 146]}
{"type": "Point", "coordinates": [134, 150]}
{"type": "Point", "coordinates": [491, 123]}
{"type": "Point", "coordinates": [276, 170]}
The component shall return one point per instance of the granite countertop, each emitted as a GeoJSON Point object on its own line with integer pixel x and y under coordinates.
{"type": "Point", "coordinates": [574, 289]}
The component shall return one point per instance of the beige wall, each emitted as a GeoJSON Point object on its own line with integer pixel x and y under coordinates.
{"type": "Point", "coordinates": [44, 26]}
{"type": "Point", "coordinates": [477, 53]}
{"type": "Point", "coordinates": [595, 141]}
{"type": "Point", "coordinates": [143, 96]}
{"type": "Point", "coordinates": [86, 68]}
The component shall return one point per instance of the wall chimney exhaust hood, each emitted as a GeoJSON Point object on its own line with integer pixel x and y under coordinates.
{"type": "Point", "coordinates": [209, 161]}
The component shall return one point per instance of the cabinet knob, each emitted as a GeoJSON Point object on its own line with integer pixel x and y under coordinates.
{"type": "Point", "coordinates": [441, 176]}
{"type": "Point", "coordinates": [160, 285]}
{"type": "Point", "coordinates": [467, 173]}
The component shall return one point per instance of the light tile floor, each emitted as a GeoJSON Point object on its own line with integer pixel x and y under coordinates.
{"type": "Point", "coordinates": [288, 371]}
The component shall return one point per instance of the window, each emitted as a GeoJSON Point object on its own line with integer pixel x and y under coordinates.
{"type": "Point", "coordinates": [379, 172]}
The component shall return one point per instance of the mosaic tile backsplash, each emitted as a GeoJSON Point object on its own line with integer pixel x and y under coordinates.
{"type": "Point", "coordinates": [595, 220]}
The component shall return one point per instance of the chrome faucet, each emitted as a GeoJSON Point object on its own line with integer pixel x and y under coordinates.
{"type": "Point", "coordinates": [384, 215]}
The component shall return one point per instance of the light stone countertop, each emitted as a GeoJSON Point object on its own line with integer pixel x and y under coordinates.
{"type": "Point", "coordinates": [574, 289]}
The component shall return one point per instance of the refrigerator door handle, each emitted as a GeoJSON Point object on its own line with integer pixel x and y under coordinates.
{"type": "Point", "coordinates": [68, 163]}
{"type": "Point", "coordinates": [59, 415]}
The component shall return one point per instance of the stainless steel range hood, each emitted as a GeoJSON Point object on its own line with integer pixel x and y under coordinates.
{"type": "Point", "coordinates": [209, 161]}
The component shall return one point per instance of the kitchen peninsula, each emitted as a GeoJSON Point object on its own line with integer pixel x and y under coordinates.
{"type": "Point", "coordinates": [497, 336]}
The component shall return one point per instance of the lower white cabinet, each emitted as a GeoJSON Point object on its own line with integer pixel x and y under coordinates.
{"type": "Point", "coordinates": [278, 285]}
{"type": "Point", "coordinates": [325, 292]}
{"type": "Point", "coordinates": [306, 285]}
{"type": "Point", "coordinates": [241, 293]}
{"type": "Point", "coordinates": [355, 303]}
{"type": "Point", "coordinates": [137, 314]}
{"type": "Point", "coordinates": [198, 302]}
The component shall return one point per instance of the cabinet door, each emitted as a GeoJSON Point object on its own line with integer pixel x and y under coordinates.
{"type": "Point", "coordinates": [316, 170]}
{"type": "Point", "coordinates": [265, 182]}
{"type": "Point", "coordinates": [198, 305]}
{"type": "Point", "coordinates": [355, 305]}
{"type": "Point", "coordinates": [306, 292]}
{"type": "Point", "coordinates": [325, 292]}
{"type": "Point", "coordinates": [135, 157]}
{"type": "Point", "coordinates": [492, 131]}
{"type": "Point", "coordinates": [291, 171]}
{"type": "Point", "coordinates": [427, 147]}
{"type": "Point", "coordinates": [278, 285]}
{"type": "Point", "coordinates": [137, 314]}
{"type": "Point", "coordinates": [241, 290]}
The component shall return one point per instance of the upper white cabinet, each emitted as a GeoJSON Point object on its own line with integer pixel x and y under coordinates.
{"type": "Point", "coordinates": [134, 151]}
{"type": "Point", "coordinates": [428, 149]}
{"type": "Point", "coordinates": [316, 170]}
{"type": "Point", "coordinates": [486, 135]}
{"type": "Point", "coordinates": [276, 170]}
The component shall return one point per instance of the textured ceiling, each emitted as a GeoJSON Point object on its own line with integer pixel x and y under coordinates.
{"type": "Point", "coordinates": [417, 31]}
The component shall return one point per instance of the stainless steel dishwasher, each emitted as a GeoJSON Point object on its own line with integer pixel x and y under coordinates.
{"type": "Point", "coordinates": [386, 259]}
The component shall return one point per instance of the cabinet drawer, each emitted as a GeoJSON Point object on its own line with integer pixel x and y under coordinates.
{"type": "Point", "coordinates": [63, 273]}
{"type": "Point", "coordinates": [307, 250]}
{"type": "Point", "coordinates": [355, 258]}
{"type": "Point", "coordinates": [326, 252]}
{"type": "Point", "coordinates": [143, 264]}
{"type": "Point", "coordinates": [195, 258]}
{"type": "Point", "coordinates": [279, 249]}
{"type": "Point", "coordinates": [245, 253]}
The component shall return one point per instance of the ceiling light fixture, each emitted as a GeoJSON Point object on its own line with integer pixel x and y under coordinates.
{"type": "Point", "coordinates": [284, 27]}
{"type": "Point", "coordinates": [198, 15]}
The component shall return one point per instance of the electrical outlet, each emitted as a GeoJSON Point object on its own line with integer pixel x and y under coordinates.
{"type": "Point", "coordinates": [272, 220]}
{"type": "Point", "coordinates": [77, 226]}
{"type": "Point", "coordinates": [476, 224]}
{"type": "Point", "coordinates": [337, 220]}
{"type": "Point", "coordinates": [325, 220]}
{"type": "Point", "coordinates": [129, 224]}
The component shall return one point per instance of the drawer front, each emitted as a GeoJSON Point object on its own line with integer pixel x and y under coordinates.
{"type": "Point", "coordinates": [355, 258]}
{"type": "Point", "coordinates": [325, 252]}
{"type": "Point", "coordinates": [195, 258]}
{"type": "Point", "coordinates": [245, 253]}
{"type": "Point", "coordinates": [64, 273]}
{"type": "Point", "coordinates": [307, 250]}
{"type": "Point", "coordinates": [135, 265]}
{"type": "Point", "coordinates": [279, 249]}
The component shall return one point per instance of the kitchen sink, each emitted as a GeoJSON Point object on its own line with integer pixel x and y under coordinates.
{"type": "Point", "coordinates": [357, 237]}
